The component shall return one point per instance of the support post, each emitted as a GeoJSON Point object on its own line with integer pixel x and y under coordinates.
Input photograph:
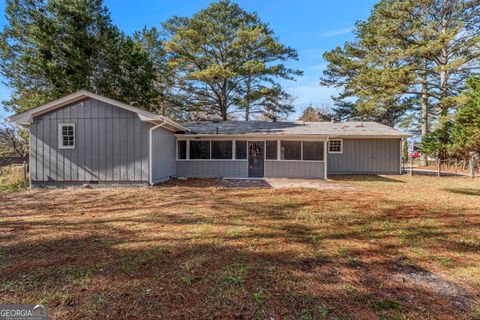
{"type": "Point", "coordinates": [411, 166]}
{"type": "Point", "coordinates": [25, 184]}
{"type": "Point", "coordinates": [456, 167]}
{"type": "Point", "coordinates": [472, 168]}
{"type": "Point", "coordinates": [439, 173]}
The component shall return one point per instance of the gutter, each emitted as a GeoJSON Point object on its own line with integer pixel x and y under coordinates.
{"type": "Point", "coordinates": [150, 153]}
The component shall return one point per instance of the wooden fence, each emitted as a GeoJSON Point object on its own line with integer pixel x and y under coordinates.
{"type": "Point", "coordinates": [6, 161]}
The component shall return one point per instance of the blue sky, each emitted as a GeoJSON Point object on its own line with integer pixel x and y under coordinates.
{"type": "Point", "coordinates": [310, 26]}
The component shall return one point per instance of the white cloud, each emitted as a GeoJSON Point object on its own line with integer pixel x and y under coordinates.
{"type": "Point", "coordinates": [335, 33]}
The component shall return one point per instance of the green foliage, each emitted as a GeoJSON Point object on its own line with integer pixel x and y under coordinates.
{"type": "Point", "coordinates": [52, 48]}
{"type": "Point", "coordinates": [436, 143]}
{"type": "Point", "coordinates": [259, 297]}
{"type": "Point", "coordinates": [186, 280]}
{"type": "Point", "coordinates": [410, 55]}
{"type": "Point", "coordinates": [466, 129]}
{"type": "Point", "coordinates": [228, 61]}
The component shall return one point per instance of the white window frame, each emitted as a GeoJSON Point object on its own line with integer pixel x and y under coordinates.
{"type": "Point", "coordinates": [60, 136]}
{"type": "Point", "coordinates": [341, 146]}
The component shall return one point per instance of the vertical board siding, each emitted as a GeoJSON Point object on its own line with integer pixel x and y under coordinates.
{"type": "Point", "coordinates": [213, 169]}
{"type": "Point", "coordinates": [366, 156]}
{"type": "Point", "coordinates": [163, 155]}
{"type": "Point", "coordinates": [111, 144]}
{"type": "Point", "coordinates": [294, 169]}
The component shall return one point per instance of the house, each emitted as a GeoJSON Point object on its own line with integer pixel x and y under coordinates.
{"type": "Point", "coordinates": [88, 138]}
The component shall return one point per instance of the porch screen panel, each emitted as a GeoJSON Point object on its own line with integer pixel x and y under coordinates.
{"type": "Point", "coordinates": [291, 150]}
{"type": "Point", "coordinates": [271, 152]}
{"type": "Point", "coordinates": [182, 149]}
{"type": "Point", "coordinates": [221, 149]}
{"type": "Point", "coordinates": [240, 149]}
{"type": "Point", "coordinates": [313, 150]}
{"type": "Point", "coordinates": [199, 149]}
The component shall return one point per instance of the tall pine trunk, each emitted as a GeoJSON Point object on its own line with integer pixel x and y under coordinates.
{"type": "Point", "coordinates": [248, 88]}
{"type": "Point", "coordinates": [425, 109]}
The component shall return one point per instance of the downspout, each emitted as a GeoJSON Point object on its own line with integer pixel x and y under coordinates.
{"type": "Point", "coordinates": [150, 153]}
{"type": "Point", "coordinates": [325, 157]}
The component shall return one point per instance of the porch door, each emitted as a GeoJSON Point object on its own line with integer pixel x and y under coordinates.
{"type": "Point", "coordinates": [256, 158]}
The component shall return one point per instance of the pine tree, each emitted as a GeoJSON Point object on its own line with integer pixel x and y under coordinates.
{"type": "Point", "coordinates": [228, 61]}
{"type": "Point", "coordinates": [466, 128]}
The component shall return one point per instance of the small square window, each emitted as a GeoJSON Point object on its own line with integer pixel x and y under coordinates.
{"type": "Point", "coordinates": [66, 136]}
{"type": "Point", "coordinates": [335, 146]}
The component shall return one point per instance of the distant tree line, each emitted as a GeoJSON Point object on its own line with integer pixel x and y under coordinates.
{"type": "Point", "coordinates": [221, 63]}
{"type": "Point", "coordinates": [408, 66]}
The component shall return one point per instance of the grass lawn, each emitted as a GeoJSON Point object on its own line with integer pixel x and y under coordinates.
{"type": "Point", "coordinates": [397, 248]}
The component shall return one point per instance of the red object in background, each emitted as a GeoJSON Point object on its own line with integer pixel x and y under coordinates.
{"type": "Point", "coordinates": [414, 155]}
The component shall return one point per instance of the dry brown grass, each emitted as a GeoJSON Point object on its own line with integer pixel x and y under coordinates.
{"type": "Point", "coordinates": [401, 248]}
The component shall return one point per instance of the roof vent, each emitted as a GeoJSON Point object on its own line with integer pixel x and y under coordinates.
{"type": "Point", "coordinates": [134, 103]}
{"type": "Point", "coordinates": [215, 120]}
{"type": "Point", "coordinates": [274, 119]}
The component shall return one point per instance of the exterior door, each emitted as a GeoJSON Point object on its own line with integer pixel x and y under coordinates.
{"type": "Point", "coordinates": [256, 158]}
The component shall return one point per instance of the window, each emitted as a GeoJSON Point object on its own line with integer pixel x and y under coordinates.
{"type": "Point", "coordinates": [271, 153]}
{"type": "Point", "coordinates": [199, 149]}
{"type": "Point", "coordinates": [291, 150]}
{"type": "Point", "coordinates": [313, 150]}
{"type": "Point", "coordinates": [221, 149]}
{"type": "Point", "coordinates": [66, 136]}
{"type": "Point", "coordinates": [335, 146]}
{"type": "Point", "coordinates": [240, 149]}
{"type": "Point", "coordinates": [182, 149]}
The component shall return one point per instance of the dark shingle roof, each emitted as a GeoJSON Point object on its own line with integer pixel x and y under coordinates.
{"type": "Point", "coordinates": [340, 129]}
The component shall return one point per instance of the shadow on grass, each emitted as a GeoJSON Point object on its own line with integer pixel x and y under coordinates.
{"type": "Point", "coordinates": [269, 257]}
{"type": "Point", "coordinates": [464, 191]}
{"type": "Point", "coordinates": [363, 178]}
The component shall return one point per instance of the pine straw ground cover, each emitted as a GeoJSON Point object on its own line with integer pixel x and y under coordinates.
{"type": "Point", "coordinates": [399, 248]}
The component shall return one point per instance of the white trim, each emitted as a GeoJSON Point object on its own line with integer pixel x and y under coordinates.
{"type": "Point", "coordinates": [341, 146]}
{"type": "Point", "coordinates": [27, 116]}
{"type": "Point", "coordinates": [150, 151]}
{"type": "Point", "coordinates": [279, 152]}
{"type": "Point", "coordinates": [60, 136]}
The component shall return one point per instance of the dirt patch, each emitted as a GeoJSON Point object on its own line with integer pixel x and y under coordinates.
{"type": "Point", "coordinates": [420, 278]}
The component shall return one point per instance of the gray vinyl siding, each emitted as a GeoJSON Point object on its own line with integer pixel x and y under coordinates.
{"type": "Point", "coordinates": [111, 144]}
{"type": "Point", "coordinates": [213, 169]}
{"type": "Point", "coordinates": [163, 155]}
{"type": "Point", "coordinates": [366, 156]}
{"type": "Point", "coordinates": [295, 169]}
